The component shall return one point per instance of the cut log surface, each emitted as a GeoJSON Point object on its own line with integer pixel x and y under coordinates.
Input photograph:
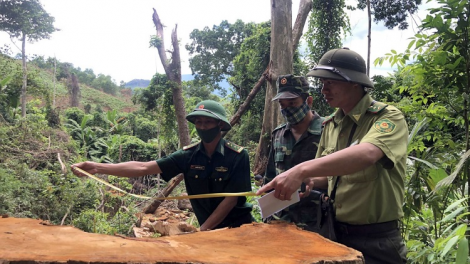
{"type": "Point", "coordinates": [34, 241]}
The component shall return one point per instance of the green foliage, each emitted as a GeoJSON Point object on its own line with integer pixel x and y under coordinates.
{"type": "Point", "coordinates": [213, 51]}
{"type": "Point", "coordinates": [392, 13]}
{"type": "Point", "coordinates": [157, 101]}
{"type": "Point", "coordinates": [434, 90]}
{"type": "Point", "coordinates": [134, 149]}
{"type": "Point", "coordinates": [105, 84]}
{"type": "Point", "coordinates": [26, 18]}
{"type": "Point", "coordinates": [41, 194]}
{"type": "Point", "coordinates": [102, 223]}
{"type": "Point", "coordinates": [325, 23]}
{"type": "Point", "coordinates": [74, 114]}
{"type": "Point", "coordinates": [146, 129]}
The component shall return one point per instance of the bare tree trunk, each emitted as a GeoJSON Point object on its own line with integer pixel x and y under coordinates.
{"type": "Point", "coordinates": [305, 7]}
{"type": "Point", "coordinates": [173, 72]}
{"type": "Point", "coordinates": [25, 76]}
{"type": "Point", "coordinates": [54, 79]}
{"type": "Point", "coordinates": [282, 55]}
{"type": "Point", "coordinates": [74, 91]}
{"type": "Point", "coordinates": [369, 37]}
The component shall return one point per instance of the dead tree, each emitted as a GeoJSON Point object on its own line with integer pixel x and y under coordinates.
{"type": "Point", "coordinates": [172, 69]}
{"type": "Point", "coordinates": [74, 90]}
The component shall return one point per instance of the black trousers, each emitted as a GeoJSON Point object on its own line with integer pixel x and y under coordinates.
{"type": "Point", "coordinates": [377, 244]}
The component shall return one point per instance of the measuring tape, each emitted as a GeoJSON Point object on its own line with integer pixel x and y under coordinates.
{"type": "Point", "coordinates": [196, 196]}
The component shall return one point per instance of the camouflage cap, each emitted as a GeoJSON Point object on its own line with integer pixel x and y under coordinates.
{"type": "Point", "coordinates": [290, 86]}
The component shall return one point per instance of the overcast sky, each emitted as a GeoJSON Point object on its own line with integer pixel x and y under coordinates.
{"type": "Point", "coordinates": [112, 36]}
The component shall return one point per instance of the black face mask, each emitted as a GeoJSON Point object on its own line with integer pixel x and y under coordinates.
{"type": "Point", "coordinates": [208, 135]}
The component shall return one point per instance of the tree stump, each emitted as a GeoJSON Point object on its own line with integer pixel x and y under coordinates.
{"type": "Point", "coordinates": [25, 240]}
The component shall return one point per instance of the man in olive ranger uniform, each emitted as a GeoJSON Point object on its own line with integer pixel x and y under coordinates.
{"type": "Point", "coordinates": [363, 152]}
{"type": "Point", "coordinates": [211, 166]}
{"type": "Point", "coordinates": [294, 142]}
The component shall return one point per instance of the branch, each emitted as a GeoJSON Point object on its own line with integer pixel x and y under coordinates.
{"type": "Point", "coordinates": [161, 48]}
{"type": "Point", "coordinates": [242, 109]}
{"type": "Point", "coordinates": [62, 166]}
{"type": "Point", "coordinates": [152, 207]}
{"type": "Point", "coordinates": [305, 7]}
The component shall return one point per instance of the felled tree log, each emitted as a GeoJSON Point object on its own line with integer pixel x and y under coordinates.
{"type": "Point", "coordinates": [31, 241]}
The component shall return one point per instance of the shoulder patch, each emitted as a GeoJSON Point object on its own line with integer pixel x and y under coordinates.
{"type": "Point", "coordinates": [384, 126]}
{"type": "Point", "coordinates": [377, 107]}
{"type": "Point", "coordinates": [233, 146]}
{"type": "Point", "coordinates": [191, 145]}
{"type": "Point", "coordinates": [327, 119]}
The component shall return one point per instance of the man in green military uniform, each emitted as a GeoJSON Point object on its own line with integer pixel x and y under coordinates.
{"type": "Point", "coordinates": [362, 152]}
{"type": "Point", "coordinates": [211, 166]}
{"type": "Point", "coordinates": [294, 142]}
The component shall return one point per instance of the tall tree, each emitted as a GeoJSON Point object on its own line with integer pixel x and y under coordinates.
{"type": "Point", "coordinates": [74, 90]}
{"type": "Point", "coordinates": [25, 20]}
{"type": "Point", "coordinates": [213, 51]}
{"type": "Point", "coordinates": [325, 24]}
{"type": "Point", "coordinates": [173, 72]}
{"type": "Point", "coordinates": [392, 13]}
{"type": "Point", "coordinates": [284, 40]}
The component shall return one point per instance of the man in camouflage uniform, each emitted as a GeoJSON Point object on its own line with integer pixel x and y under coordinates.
{"type": "Point", "coordinates": [294, 142]}
{"type": "Point", "coordinates": [212, 165]}
{"type": "Point", "coordinates": [362, 152]}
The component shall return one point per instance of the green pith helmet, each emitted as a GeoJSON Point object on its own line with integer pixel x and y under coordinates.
{"type": "Point", "coordinates": [212, 109]}
{"type": "Point", "coordinates": [344, 65]}
{"type": "Point", "coordinates": [290, 86]}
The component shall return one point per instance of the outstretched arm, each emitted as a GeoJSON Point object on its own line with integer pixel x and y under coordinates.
{"type": "Point", "coordinates": [343, 162]}
{"type": "Point", "coordinates": [125, 169]}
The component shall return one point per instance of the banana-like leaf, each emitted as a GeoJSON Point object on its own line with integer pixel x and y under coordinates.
{"type": "Point", "coordinates": [448, 180]}
{"type": "Point", "coordinates": [430, 165]}
{"type": "Point", "coordinates": [416, 128]}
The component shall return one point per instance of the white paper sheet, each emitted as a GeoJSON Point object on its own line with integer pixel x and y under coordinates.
{"type": "Point", "coordinates": [270, 205]}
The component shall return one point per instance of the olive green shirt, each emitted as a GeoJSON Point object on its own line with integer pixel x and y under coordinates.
{"type": "Point", "coordinates": [375, 194]}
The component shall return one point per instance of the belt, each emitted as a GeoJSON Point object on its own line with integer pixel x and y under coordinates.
{"type": "Point", "coordinates": [369, 229]}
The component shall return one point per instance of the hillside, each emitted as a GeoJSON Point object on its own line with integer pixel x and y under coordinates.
{"type": "Point", "coordinates": [44, 79]}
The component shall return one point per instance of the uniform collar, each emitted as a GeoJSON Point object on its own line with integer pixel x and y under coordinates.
{"type": "Point", "coordinates": [357, 112]}
{"type": "Point", "coordinates": [219, 148]}
{"type": "Point", "coordinates": [315, 124]}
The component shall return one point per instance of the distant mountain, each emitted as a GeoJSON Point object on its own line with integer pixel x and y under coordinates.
{"type": "Point", "coordinates": [139, 83]}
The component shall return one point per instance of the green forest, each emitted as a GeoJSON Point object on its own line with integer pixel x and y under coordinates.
{"type": "Point", "coordinates": [53, 114]}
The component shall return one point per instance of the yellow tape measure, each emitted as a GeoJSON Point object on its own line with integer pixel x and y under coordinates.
{"type": "Point", "coordinates": [196, 196]}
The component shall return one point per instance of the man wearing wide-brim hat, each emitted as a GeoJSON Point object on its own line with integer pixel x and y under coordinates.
{"type": "Point", "coordinates": [361, 158]}
{"type": "Point", "coordinates": [212, 165]}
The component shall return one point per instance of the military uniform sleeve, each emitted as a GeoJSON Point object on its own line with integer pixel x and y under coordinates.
{"type": "Point", "coordinates": [271, 167]}
{"type": "Point", "coordinates": [389, 133]}
{"type": "Point", "coordinates": [172, 165]}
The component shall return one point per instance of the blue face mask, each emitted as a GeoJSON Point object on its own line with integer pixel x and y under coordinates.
{"type": "Point", "coordinates": [294, 115]}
